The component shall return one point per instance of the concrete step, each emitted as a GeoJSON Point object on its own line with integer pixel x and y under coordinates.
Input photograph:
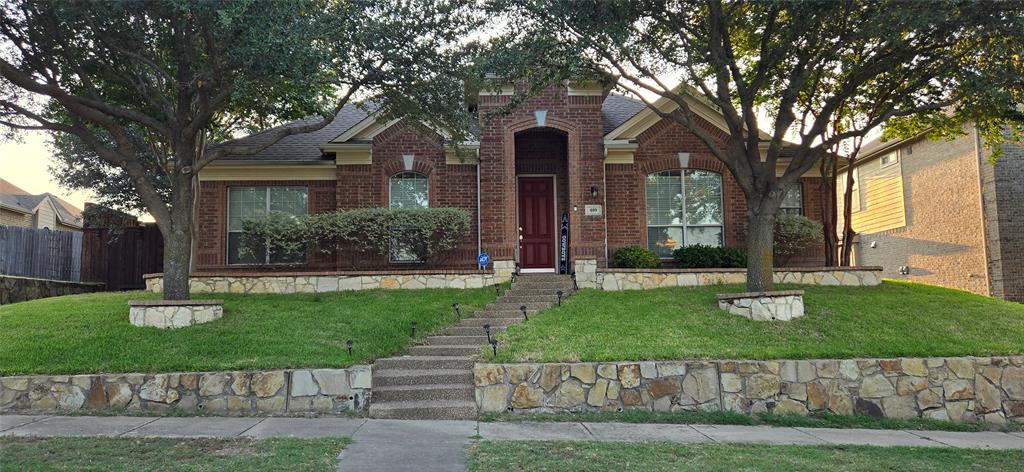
{"type": "Point", "coordinates": [543, 277]}
{"type": "Point", "coordinates": [474, 340]}
{"type": "Point", "coordinates": [425, 410]}
{"type": "Point", "coordinates": [563, 286]}
{"type": "Point", "coordinates": [457, 351]}
{"type": "Point", "coordinates": [549, 297]}
{"type": "Point", "coordinates": [470, 330]}
{"type": "Point", "coordinates": [508, 312]}
{"type": "Point", "coordinates": [539, 290]}
{"type": "Point", "coordinates": [426, 362]}
{"type": "Point", "coordinates": [390, 377]}
{"type": "Point", "coordinates": [494, 321]}
{"type": "Point", "coordinates": [514, 306]}
{"type": "Point", "coordinates": [399, 393]}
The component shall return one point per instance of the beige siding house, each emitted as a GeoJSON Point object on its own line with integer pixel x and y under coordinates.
{"type": "Point", "coordinates": [938, 212]}
{"type": "Point", "coordinates": [24, 210]}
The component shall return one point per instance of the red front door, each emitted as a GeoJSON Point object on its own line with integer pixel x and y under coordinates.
{"type": "Point", "coordinates": [537, 222]}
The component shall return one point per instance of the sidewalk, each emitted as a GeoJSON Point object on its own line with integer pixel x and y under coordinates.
{"type": "Point", "coordinates": [439, 445]}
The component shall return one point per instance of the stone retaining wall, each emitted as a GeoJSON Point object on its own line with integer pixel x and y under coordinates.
{"type": "Point", "coordinates": [168, 314]}
{"type": "Point", "coordinates": [272, 391]}
{"type": "Point", "coordinates": [781, 305]}
{"type": "Point", "coordinates": [589, 276]}
{"type": "Point", "coordinates": [317, 282]}
{"type": "Point", "coordinates": [989, 389]}
{"type": "Point", "coordinates": [19, 289]}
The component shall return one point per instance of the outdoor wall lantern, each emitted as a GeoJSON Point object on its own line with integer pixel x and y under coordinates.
{"type": "Point", "coordinates": [413, 325]}
{"type": "Point", "coordinates": [494, 346]}
{"type": "Point", "coordinates": [523, 309]}
{"type": "Point", "coordinates": [593, 191]}
{"type": "Point", "coordinates": [559, 293]}
{"type": "Point", "coordinates": [457, 311]}
{"type": "Point", "coordinates": [348, 344]}
{"type": "Point", "coordinates": [487, 329]}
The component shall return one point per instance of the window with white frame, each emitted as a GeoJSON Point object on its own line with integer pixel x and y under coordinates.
{"type": "Point", "coordinates": [407, 190]}
{"type": "Point", "coordinates": [245, 203]}
{"type": "Point", "coordinates": [793, 201]}
{"type": "Point", "coordinates": [889, 159]}
{"type": "Point", "coordinates": [684, 208]}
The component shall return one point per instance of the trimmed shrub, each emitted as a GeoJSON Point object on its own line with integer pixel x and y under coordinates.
{"type": "Point", "coordinates": [794, 233]}
{"type": "Point", "coordinates": [280, 233]}
{"type": "Point", "coordinates": [636, 257]}
{"type": "Point", "coordinates": [419, 235]}
{"type": "Point", "coordinates": [700, 256]}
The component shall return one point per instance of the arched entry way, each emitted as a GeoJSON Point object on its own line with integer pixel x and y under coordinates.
{"type": "Point", "coordinates": [542, 198]}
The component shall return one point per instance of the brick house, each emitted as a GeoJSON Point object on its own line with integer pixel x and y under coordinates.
{"type": "Point", "coordinates": [938, 212]}
{"type": "Point", "coordinates": [612, 168]}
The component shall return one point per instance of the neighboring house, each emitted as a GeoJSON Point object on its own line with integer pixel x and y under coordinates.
{"type": "Point", "coordinates": [21, 209]}
{"type": "Point", "coordinates": [619, 174]}
{"type": "Point", "coordinates": [939, 212]}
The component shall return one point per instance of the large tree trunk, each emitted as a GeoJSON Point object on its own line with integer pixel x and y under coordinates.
{"type": "Point", "coordinates": [760, 243]}
{"type": "Point", "coordinates": [828, 209]}
{"type": "Point", "coordinates": [177, 235]}
{"type": "Point", "coordinates": [844, 256]}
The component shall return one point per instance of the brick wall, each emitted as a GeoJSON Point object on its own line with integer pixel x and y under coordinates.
{"type": "Point", "coordinates": [1003, 195]}
{"type": "Point", "coordinates": [579, 118]}
{"type": "Point", "coordinates": [943, 241]}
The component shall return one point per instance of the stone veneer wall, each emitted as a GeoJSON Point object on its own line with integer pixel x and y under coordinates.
{"type": "Point", "coordinates": [19, 289]}
{"type": "Point", "coordinates": [783, 305]}
{"type": "Point", "coordinates": [271, 391]}
{"type": "Point", "coordinates": [589, 276]}
{"type": "Point", "coordinates": [317, 282]}
{"type": "Point", "coordinates": [989, 389]}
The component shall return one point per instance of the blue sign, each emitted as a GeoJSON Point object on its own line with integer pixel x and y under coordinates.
{"type": "Point", "coordinates": [483, 260]}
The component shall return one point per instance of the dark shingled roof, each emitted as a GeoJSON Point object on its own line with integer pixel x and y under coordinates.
{"type": "Point", "coordinates": [305, 147]}
{"type": "Point", "coordinates": [617, 109]}
{"type": "Point", "coordinates": [27, 203]}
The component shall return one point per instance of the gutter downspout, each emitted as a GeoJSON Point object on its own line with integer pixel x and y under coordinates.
{"type": "Point", "coordinates": [604, 211]}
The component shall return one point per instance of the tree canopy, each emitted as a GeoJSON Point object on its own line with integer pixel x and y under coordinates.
{"type": "Point", "coordinates": [792, 79]}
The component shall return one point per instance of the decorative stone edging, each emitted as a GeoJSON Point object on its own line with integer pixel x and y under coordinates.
{"type": "Point", "coordinates": [989, 389]}
{"type": "Point", "coordinates": [166, 314]}
{"type": "Point", "coordinates": [780, 305]}
{"type": "Point", "coordinates": [588, 275]}
{"type": "Point", "coordinates": [318, 282]}
{"type": "Point", "coordinates": [242, 392]}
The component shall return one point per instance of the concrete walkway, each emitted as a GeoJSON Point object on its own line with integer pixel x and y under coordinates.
{"type": "Point", "coordinates": [396, 445]}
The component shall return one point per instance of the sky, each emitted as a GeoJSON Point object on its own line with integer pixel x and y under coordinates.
{"type": "Point", "coordinates": [25, 164]}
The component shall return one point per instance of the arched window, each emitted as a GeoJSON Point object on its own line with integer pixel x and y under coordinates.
{"type": "Point", "coordinates": [684, 208]}
{"type": "Point", "coordinates": [408, 190]}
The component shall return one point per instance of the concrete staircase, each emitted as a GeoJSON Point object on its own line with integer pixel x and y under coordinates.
{"type": "Point", "coordinates": [435, 380]}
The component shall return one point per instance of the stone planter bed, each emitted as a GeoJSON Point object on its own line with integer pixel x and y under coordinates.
{"type": "Point", "coordinates": [245, 392]}
{"type": "Point", "coordinates": [166, 314]}
{"type": "Point", "coordinates": [589, 276]}
{"type": "Point", "coordinates": [779, 305]}
{"type": "Point", "coordinates": [988, 389]}
{"type": "Point", "coordinates": [318, 282]}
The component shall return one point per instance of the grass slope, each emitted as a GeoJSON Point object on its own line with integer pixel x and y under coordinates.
{"type": "Point", "coordinates": [91, 333]}
{"type": "Point", "coordinates": [653, 457]}
{"type": "Point", "coordinates": [890, 320]}
{"type": "Point", "coordinates": [109, 454]}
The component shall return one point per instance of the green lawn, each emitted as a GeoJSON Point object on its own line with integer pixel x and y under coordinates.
{"type": "Point", "coordinates": [490, 456]}
{"type": "Point", "coordinates": [825, 420]}
{"type": "Point", "coordinates": [890, 320]}
{"type": "Point", "coordinates": [108, 454]}
{"type": "Point", "coordinates": [91, 333]}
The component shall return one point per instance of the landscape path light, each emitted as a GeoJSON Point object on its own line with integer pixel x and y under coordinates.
{"type": "Point", "coordinates": [523, 309]}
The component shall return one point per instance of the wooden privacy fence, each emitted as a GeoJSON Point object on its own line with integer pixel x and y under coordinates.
{"type": "Point", "coordinates": [121, 256]}
{"type": "Point", "coordinates": [117, 258]}
{"type": "Point", "coordinates": [41, 253]}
